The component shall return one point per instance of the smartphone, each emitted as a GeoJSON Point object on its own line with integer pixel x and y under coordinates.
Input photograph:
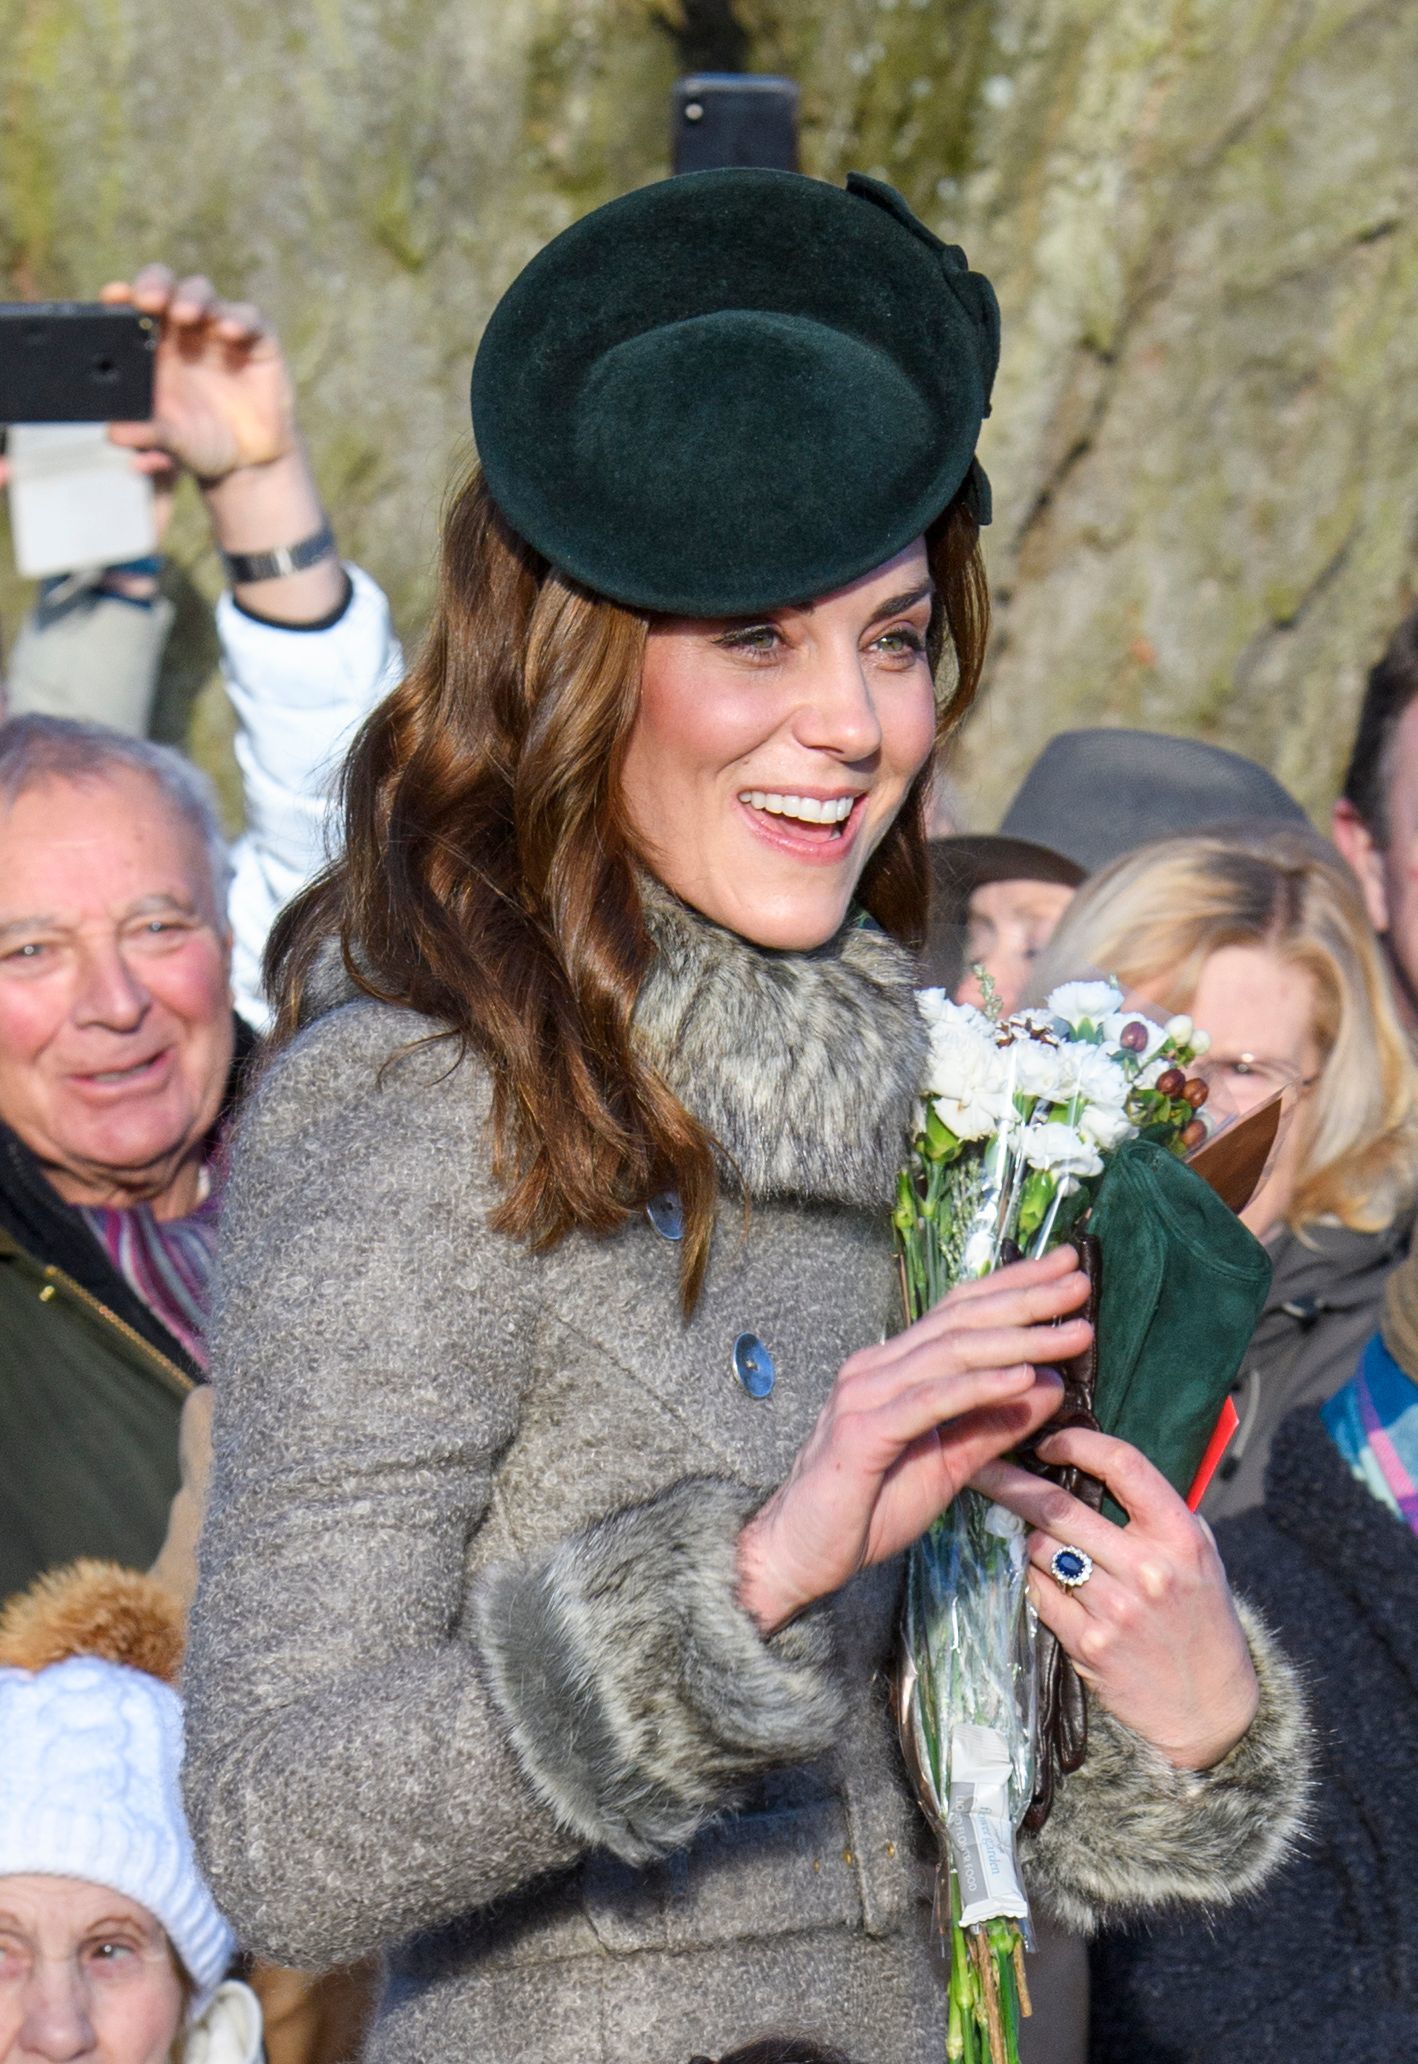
{"type": "Point", "coordinates": [75, 500]}
{"type": "Point", "coordinates": [75, 362]}
{"type": "Point", "coordinates": [734, 118]}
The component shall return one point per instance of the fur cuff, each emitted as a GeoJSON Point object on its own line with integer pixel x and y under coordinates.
{"type": "Point", "coordinates": [1131, 1834]}
{"type": "Point", "coordinates": [639, 1696]}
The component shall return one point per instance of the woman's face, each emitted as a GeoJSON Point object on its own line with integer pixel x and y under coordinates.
{"type": "Point", "coordinates": [769, 756]}
{"type": "Point", "coordinates": [1260, 1011]}
{"type": "Point", "coordinates": [84, 1973]}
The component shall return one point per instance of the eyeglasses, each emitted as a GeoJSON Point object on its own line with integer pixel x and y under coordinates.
{"type": "Point", "coordinates": [1250, 1080]}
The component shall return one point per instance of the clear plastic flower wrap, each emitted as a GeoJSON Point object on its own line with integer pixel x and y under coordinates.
{"type": "Point", "coordinates": [1017, 1119]}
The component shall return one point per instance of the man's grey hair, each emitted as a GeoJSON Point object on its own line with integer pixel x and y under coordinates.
{"type": "Point", "coordinates": [37, 748]}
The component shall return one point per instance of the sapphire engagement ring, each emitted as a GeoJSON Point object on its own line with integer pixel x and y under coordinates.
{"type": "Point", "coordinates": [1071, 1567]}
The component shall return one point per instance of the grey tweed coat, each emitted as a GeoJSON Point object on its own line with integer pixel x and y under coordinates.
{"type": "Point", "coordinates": [468, 1682]}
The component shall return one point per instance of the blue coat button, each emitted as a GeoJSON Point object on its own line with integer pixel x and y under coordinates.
{"type": "Point", "coordinates": [753, 1365]}
{"type": "Point", "coordinates": [666, 1214]}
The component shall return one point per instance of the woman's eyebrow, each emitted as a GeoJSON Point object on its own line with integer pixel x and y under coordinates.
{"type": "Point", "coordinates": [899, 604]}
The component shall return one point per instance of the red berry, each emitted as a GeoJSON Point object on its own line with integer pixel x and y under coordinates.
{"type": "Point", "coordinates": [1133, 1038]}
{"type": "Point", "coordinates": [1172, 1083]}
{"type": "Point", "coordinates": [1196, 1092]}
{"type": "Point", "coordinates": [1193, 1134]}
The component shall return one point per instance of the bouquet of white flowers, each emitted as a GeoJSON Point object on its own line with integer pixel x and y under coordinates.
{"type": "Point", "coordinates": [1018, 1117]}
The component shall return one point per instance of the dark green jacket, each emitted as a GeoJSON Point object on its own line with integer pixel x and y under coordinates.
{"type": "Point", "coordinates": [91, 1386]}
{"type": "Point", "coordinates": [90, 1409]}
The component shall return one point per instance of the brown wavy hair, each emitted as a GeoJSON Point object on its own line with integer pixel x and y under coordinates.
{"type": "Point", "coordinates": [488, 872]}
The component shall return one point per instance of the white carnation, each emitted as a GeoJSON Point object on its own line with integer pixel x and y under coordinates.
{"type": "Point", "coordinates": [1089, 1073]}
{"type": "Point", "coordinates": [1061, 1149]}
{"type": "Point", "coordinates": [939, 1009]}
{"type": "Point", "coordinates": [1085, 1002]}
{"type": "Point", "coordinates": [967, 1075]}
{"type": "Point", "coordinates": [969, 1084]}
{"type": "Point", "coordinates": [1107, 1125]}
{"type": "Point", "coordinates": [1038, 1067]}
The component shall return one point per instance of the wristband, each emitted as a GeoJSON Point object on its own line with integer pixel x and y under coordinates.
{"type": "Point", "coordinates": [244, 567]}
{"type": "Point", "coordinates": [146, 568]}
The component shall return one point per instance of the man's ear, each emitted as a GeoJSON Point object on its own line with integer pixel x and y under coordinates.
{"type": "Point", "coordinates": [1365, 856]}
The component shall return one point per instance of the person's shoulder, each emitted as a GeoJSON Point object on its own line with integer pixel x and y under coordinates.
{"type": "Point", "coordinates": [391, 1069]}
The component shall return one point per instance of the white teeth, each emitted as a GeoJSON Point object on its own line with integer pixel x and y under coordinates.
{"type": "Point", "coordinates": [807, 809]}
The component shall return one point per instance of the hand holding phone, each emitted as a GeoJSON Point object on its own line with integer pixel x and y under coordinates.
{"type": "Point", "coordinates": [222, 396]}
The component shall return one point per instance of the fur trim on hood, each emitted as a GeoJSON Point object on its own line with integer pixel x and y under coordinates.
{"type": "Point", "coordinates": [91, 1608]}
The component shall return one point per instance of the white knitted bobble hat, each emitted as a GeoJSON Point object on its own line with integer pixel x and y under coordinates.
{"type": "Point", "coordinates": [89, 1789]}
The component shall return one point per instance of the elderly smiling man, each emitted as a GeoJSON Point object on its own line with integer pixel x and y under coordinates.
{"type": "Point", "coordinates": [129, 965]}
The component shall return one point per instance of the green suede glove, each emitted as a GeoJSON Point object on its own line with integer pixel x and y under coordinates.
{"type": "Point", "coordinates": [1183, 1283]}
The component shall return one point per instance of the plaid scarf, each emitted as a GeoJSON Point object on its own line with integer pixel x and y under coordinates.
{"type": "Point", "coordinates": [1373, 1422]}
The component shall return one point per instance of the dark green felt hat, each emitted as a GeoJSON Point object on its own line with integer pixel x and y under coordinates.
{"type": "Point", "coordinates": [736, 390]}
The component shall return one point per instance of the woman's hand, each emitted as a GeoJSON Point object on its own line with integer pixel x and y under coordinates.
{"type": "Point", "coordinates": [222, 397]}
{"type": "Point", "coordinates": [224, 407]}
{"type": "Point", "coordinates": [1153, 1631]}
{"type": "Point", "coordinates": [908, 1423]}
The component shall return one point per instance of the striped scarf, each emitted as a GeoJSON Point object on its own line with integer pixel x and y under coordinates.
{"type": "Point", "coordinates": [1373, 1422]}
{"type": "Point", "coordinates": [168, 1262]}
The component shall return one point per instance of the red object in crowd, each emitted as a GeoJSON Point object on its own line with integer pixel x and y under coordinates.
{"type": "Point", "coordinates": [1215, 1448]}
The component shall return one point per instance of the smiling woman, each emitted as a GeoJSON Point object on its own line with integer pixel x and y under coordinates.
{"type": "Point", "coordinates": [767, 761]}
{"type": "Point", "coordinates": [563, 1460]}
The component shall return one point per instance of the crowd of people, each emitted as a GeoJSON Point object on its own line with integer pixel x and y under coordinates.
{"type": "Point", "coordinates": [445, 1242]}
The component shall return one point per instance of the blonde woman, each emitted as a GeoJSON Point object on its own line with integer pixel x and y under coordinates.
{"type": "Point", "coordinates": [1262, 937]}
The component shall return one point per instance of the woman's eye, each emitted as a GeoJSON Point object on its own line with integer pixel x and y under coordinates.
{"type": "Point", "coordinates": [754, 639]}
{"type": "Point", "coordinates": [32, 950]}
{"type": "Point", "coordinates": [902, 641]}
{"type": "Point", "coordinates": [110, 1952]}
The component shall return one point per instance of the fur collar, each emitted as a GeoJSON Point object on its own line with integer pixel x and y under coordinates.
{"type": "Point", "coordinates": [803, 1066]}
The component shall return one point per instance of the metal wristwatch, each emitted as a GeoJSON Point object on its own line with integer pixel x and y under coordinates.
{"type": "Point", "coordinates": [243, 567]}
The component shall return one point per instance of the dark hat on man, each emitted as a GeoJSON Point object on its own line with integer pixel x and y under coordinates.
{"type": "Point", "coordinates": [1092, 796]}
{"type": "Point", "coordinates": [736, 390]}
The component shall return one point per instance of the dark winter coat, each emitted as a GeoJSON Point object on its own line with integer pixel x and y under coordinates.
{"type": "Point", "coordinates": [92, 1386]}
{"type": "Point", "coordinates": [1325, 1301]}
{"type": "Point", "coordinates": [469, 1681]}
{"type": "Point", "coordinates": [1324, 1961]}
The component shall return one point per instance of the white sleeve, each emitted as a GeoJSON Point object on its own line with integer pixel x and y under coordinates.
{"type": "Point", "coordinates": [299, 696]}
